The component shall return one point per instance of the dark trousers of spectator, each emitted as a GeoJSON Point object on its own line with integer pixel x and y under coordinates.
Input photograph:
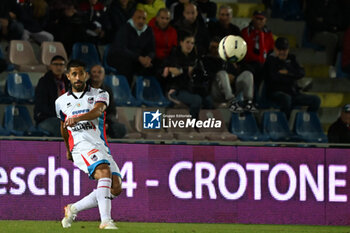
{"type": "Point", "coordinates": [286, 102]}
{"type": "Point", "coordinates": [193, 101]}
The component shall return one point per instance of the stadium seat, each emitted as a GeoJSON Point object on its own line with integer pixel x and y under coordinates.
{"type": "Point", "coordinates": [50, 49]}
{"type": "Point", "coordinates": [149, 92]}
{"type": "Point", "coordinates": [212, 133]}
{"type": "Point", "coordinates": [151, 134]}
{"type": "Point", "coordinates": [108, 69]}
{"type": "Point", "coordinates": [308, 127]}
{"type": "Point", "coordinates": [131, 131]}
{"type": "Point", "coordinates": [275, 125]}
{"type": "Point", "coordinates": [18, 121]}
{"type": "Point", "coordinates": [245, 9]}
{"type": "Point", "coordinates": [245, 127]}
{"type": "Point", "coordinates": [86, 52]}
{"type": "Point", "coordinates": [181, 133]}
{"type": "Point", "coordinates": [121, 90]}
{"type": "Point", "coordinates": [22, 56]}
{"type": "Point", "coordinates": [20, 88]}
{"type": "Point", "coordinates": [330, 99]}
{"type": "Point", "coordinates": [4, 132]}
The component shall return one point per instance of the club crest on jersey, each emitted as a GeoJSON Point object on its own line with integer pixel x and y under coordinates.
{"type": "Point", "coordinates": [94, 158]}
{"type": "Point", "coordinates": [78, 104]}
{"type": "Point", "coordinates": [91, 100]}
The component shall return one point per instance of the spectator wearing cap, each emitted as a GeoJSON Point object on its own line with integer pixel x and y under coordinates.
{"type": "Point", "coordinates": [339, 131]}
{"type": "Point", "coordinates": [282, 73]}
{"type": "Point", "coordinates": [259, 44]}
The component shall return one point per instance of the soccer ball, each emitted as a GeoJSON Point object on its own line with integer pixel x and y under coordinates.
{"type": "Point", "coordinates": [232, 48]}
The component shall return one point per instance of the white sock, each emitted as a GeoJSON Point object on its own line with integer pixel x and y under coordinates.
{"type": "Point", "coordinates": [103, 196]}
{"type": "Point", "coordinates": [87, 202]}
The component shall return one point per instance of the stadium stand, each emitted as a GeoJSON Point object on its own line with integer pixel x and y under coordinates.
{"type": "Point", "coordinates": [50, 49]}
{"type": "Point", "coordinates": [215, 134]}
{"type": "Point", "coordinates": [182, 133]}
{"type": "Point", "coordinates": [121, 90]}
{"type": "Point", "coordinates": [308, 127]}
{"type": "Point", "coordinates": [275, 125]}
{"type": "Point", "coordinates": [149, 92]}
{"type": "Point", "coordinates": [22, 56]}
{"type": "Point", "coordinates": [245, 127]}
{"type": "Point", "coordinates": [19, 87]}
{"type": "Point", "coordinates": [108, 69]}
{"type": "Point", "coordinates": [87, 52]}
{"type": "Point", "coordinates": [18, 122]}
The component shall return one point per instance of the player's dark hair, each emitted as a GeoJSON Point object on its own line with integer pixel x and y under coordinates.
{"type": "Point", "coordinates": [75, 63]}
{"type": "Point", "coordinates": [57, 57]}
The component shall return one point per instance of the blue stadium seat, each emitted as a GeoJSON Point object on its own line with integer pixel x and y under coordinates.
{"type": "Point", "coordinates": [18, 121]}
{"type": "Point", "coordinates": [121, 90]}
{"type": "Point", "coordinates": [245, 127]}
{"type": "Point", "coordinates": [86, 52]}
{"type": "Point", "coordinates": [308, 127]}
{"type": "Point", "coordinates": [20, 88]}
{"type": "Point", "coordinates": [150, 93]}
{"type": "Point", "coordinates": [275, 125]}
{"type": "Point", "coordinates": [108, 69]}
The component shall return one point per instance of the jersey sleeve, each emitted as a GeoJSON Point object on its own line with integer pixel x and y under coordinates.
{"type": "Point", "coordinates": [59, 112]}
{"type": "Point", "coordinates": [102, 97]}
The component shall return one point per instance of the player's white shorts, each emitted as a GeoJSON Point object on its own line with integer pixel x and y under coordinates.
{"type": "Point", "coordinates": [88, 159]}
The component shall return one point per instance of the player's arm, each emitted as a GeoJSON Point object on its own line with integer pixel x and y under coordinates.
{"type": "Point", "coordinates": [94, 113]}
{"type": "Point", "coordinates": [65, 135]}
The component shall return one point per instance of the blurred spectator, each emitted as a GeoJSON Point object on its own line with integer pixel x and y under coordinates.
{"type": "Point", "coordinates": [226, 77]}
{"type": "Point", "coordinates": [151, 7]}
{"type": "Point", "coordinates": [133, 49]}
{"type": "Point", "coordinates": [69, 27]}
{"type": "Point", "coordinates": [97, 23]}
{"type": "Point", "coordinates": [10, 28]}
{"type": "Point", "coordinates": [114, 129]}
{"type": "Point", "coordinates": [186, 80]}
{"type": "Point", "coordinates": [194, 23]}
{"type": "Point", "coordinates": [165, 36]}
{"type": "Point", "coordinates": [119, 12]}
{"type": "Point", "coordinates": [52, 85]}
{"type": "Point", "coordinates": [282, 73]}
{"type": "Point", "coordinates": [259, 44]}
{"type": "Point", "coordinates": [345, 63]}
{"type": "Point", "coordinates": [339, 131]}
{"type": "Point", "coordinates": [223, 26]}
{"type": "Point", "coordinates": [207, 9]}
{"type": "Point", "coordinates": [324, 20]}
{"type": "Point", "coordinates": [176, 10]}
{"type": "Point", "coordinates": [3, 65]}
{"type": "Point", "coordinates": [34, 16]}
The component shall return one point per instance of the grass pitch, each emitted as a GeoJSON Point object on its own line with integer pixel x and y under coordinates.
{"type": "Point", "coordinates": [133, 227]}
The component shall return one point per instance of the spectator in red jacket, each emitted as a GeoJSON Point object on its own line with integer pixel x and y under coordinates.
{"type": "Point", "coordinates": [259, 44]}
{"type": "Point", "coordinates": [165, 38]}
{"type": "Point", "coordinates": [165, 35]}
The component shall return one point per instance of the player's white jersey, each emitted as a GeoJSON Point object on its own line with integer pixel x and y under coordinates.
{"type": "Point", "coordinates": [85, 134]}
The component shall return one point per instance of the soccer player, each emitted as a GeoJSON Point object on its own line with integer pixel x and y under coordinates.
{"type": "Point", "coordinates": [82, 111]}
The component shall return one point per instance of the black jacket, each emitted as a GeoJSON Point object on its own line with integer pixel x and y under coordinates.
{"type": "Point", "coordinates": [216, 29]}
{"type": "Point", "coordinates": [282, 82]}
{"type": "Point", "coordinates": [339, 132]}
{"type": "Point", "coordinates": [46, 94]}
